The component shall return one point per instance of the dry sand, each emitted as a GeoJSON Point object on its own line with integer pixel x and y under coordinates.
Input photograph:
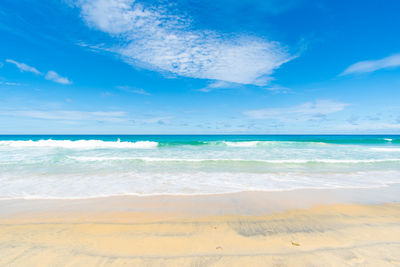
{"type": "Point", "coordinates": [200, 231]}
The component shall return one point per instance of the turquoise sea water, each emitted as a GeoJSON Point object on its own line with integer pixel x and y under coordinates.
{"type": "Point", "coordinates": [81, 166]}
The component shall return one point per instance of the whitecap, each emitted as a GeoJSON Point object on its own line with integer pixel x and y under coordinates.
{"type": "Point", "coordinates": [79, 144]}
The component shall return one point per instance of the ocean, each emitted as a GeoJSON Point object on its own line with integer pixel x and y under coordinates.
{"type": "Point", "coordinates": [86, 166]}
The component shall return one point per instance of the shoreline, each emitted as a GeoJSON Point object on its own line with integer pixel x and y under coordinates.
{"type": "Point", "coordinates": [205, 194]}
{"type": "Point", "coordinates": [241, 203]}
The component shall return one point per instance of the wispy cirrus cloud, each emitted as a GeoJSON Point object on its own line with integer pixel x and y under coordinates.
{"type": "Point", "coordinates": [392, 61]}
{"type": "Point", "coordinates": [303, 112]}
{"type": "Point", "coordinates": [153, 38]}
{"type": "Point", "coordinates": [50, 75]}
{"type": "Point", "coordinates": [69, 115]}
{"type": "Point", "coordinates": [368, 127]}
{"type": "Point", "coordinates": [218, 85]}
{"type": "Point", "coordinates": [161, 120]}
{"type": "Point", "coordinates": [55, 77]}
{"type": "Point", "coordinates": [24, 67]}
{"type": "Point", "coordinates": [10, 83]}
{"type": "Point", "coordinates": [277, 89]}
{"type": "Point", "coordinates": [129, 89]}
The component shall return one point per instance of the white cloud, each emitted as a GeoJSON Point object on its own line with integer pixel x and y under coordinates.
{"type": "Point", "coordinates": [55, 77]}
{"type": "Point", "coordinates": [70, 115]}
{"type": "Point", "coordinates": [50, 75]}
{"type": "Point", "coordinates": [306, 111]}
{"type": "Point", "coordinates": [277, 89]}
{"type": "Point", "coordinates": [373, 65]}
{"type": "Point", "coordinates": [23, 67]}
{"type": "Point", "coordinates": [369, 127]}
{"type": "Point", "coordinates": [218, 85]}
{"type": "Point", "coordinates": [156, 119]}
{"type": "Point", "coordinates": [129, 89]}
{"type": "Point", "coordinates": [10, 83]}
{"type": "Point", "coordinates": [77, 115]}
{"type": "Point", "coordinates": [155, 39]}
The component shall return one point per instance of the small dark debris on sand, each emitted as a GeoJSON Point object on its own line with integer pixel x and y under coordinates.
{"type": "Point", "coordinates": [295, 244]}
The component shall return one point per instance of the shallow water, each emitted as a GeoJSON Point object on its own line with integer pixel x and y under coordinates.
{"type": "Point", "coordinates": [92, 166]}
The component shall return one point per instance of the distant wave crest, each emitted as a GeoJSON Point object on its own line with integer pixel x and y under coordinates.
{"type": "Point", "coordinates": [80, 144]}
{"type": "Point", "coordinates": [260, 143]}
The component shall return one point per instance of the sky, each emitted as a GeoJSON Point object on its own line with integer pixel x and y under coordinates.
{"type": "Point", "coordinates": [199, 67]}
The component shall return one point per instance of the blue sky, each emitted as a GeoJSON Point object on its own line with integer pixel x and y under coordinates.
{"type": "Point", "coordinates": [191, 66]}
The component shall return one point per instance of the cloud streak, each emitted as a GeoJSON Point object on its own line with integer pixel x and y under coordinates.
{"type": "Point", "coordinates": [70, 115]}
{"type": "Point", "coordinates": [24, 67]}
{"type": "Point", "coordinates": [389, 62]}
{"type": "Point", "coordinates": [66, 115]}
{"type": "Point", "coordinates": [217, 85]}
{"type": "Point", "coordinates": [10, 83]}
{"type": "Point", "coordinates": [307, 111]}
{"type": "Point", "coordinates": [368, 127]}
{"type": "Point", "coordinates": [55, 77]}
{"type": "Point", "coordinates": [50, 75]}
{"type": "Point", "coordinates": [138, 91]}
{"type": "Point", "coordinates": [153, 38]}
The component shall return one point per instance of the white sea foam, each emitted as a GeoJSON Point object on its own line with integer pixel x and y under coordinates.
{"type": "Point", "coordinates": [263, 143]}
{"type": "Point", "coordinates": [243, 144]}
{"type": "Point", "coordinates": [63, 186]}
{"type": "Point", "coordinates": [93, 144]}
{"type": "Point", "coordinates": [79, 144]}
{"type": "Point", "coordinates": [134, 158]}
{"type": "Point", "coordinates": [272, 161]}
{"type": "Point", "coordinates": [388, 139]}
{"type": "Point", "coordinates": [386, 149]}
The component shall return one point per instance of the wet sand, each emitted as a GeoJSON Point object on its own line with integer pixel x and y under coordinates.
{"type": "Point", "coordinates": [298, 228]}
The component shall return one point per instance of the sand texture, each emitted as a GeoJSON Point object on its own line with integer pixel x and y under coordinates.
{"type": "Point", "coordinates": [326, 235]}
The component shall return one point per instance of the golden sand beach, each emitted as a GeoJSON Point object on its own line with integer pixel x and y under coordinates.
{"type": "Point", "coordinates": [134, 231]}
